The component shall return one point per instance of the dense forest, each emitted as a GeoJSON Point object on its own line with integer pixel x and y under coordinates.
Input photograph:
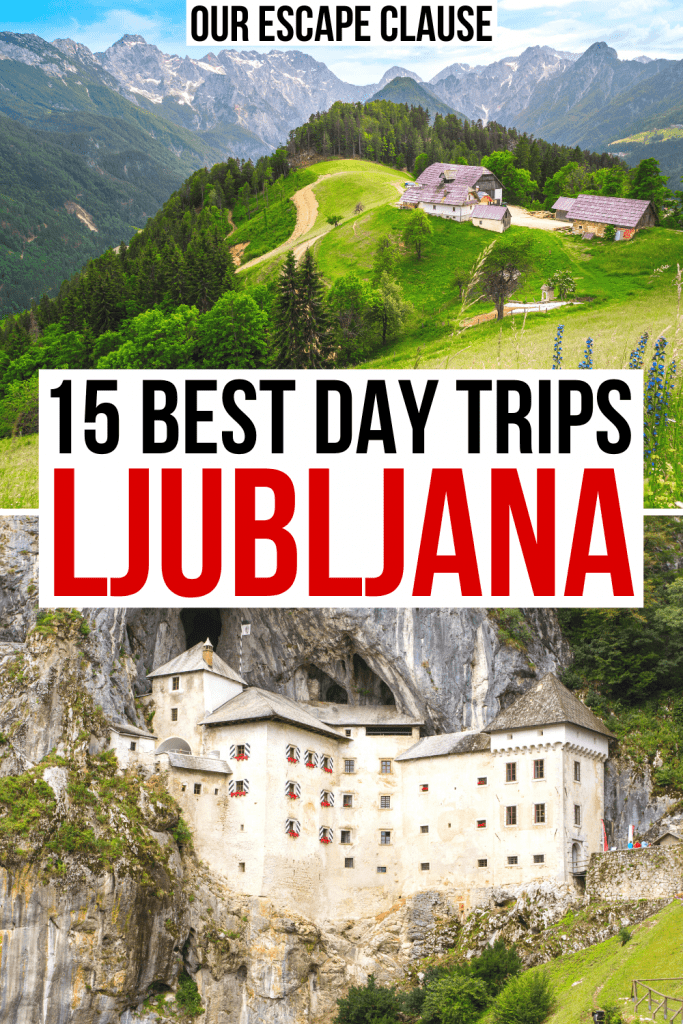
{"type": "Point", "coordinates": [396, 134]}
{"type": "Point", "coordinates": [171, 297]}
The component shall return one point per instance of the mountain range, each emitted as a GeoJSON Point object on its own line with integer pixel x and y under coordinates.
{"type": "Point", "coordinates": [121, 129]}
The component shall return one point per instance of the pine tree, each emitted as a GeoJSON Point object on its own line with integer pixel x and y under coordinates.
{"type": "Point", "coordinates": [286, 316]}
{"type": "Point", "coordinates": [314, 347]}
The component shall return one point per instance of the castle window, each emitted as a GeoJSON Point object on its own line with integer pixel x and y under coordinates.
{"type": "Point", "coordinates": [381, 871]}
{"type": "Point", "coordinates": [424, 866]}
{"type": "Point", "coordinates": [385, 802]}
{"type": "Point", "coordinates": [349, 766]}
{"type": "Point", "coordinates": [482, 780]}
{"type": "Point", "coordinates": [326, 799]}
{"type": "Point", "coordinates": [347, 732]}
{"type": "Point", "coordinates": [292, 828]}
{"type": "Point", "coordinates": [175, 683]}
{"type": "Point", "coordinates": [292, 790]}
{"type": "Point", "coordinates": [424, 828]}
{"type": "Point", "coordinates": [512, 860]}
{"type": "Point", "coordinates": [345, 836]}
{"type": "Point", "coordinates": [197, 788]}
{"type": "Point", "coordinates": [241, 828]}
{"type": "Point", "coordinates": [132, 745]}
{"type": "Point", "coordinates": [293, 753]}
{"type": "Point", "coordinates": [511, 771]}
{"type": "Point", "coordinates": [424, 787]}
{"type": "Point", "coordinates": [215, 792]}
{"type": "Point", "coordinates": [326, 835]}
{"type": "Point", "coordinates": [174, 714]}
{"type": "Point", "coordinates": [310, 759]}
{"type": "Point", "coordinates": [385, 767]}
{"type": "Point", "coordinates": [348, 862]}
{"type": "Point", "coordinates": [239, 787]}
{"type": "Point", "coordinates": [539, 858]}
{"type": "Point", "coordinates": [539, 814]}
{"type": "Point", "coordinates": [183, 787]}
{"type": "Point", "coordinates": [240, 752]}
{"type": "Point", "coordinates": [577, 771]}
{"type": "Point", "coordinates": [577, 814]}
{"type": "Point", "coordinates": [385, 838]}
{"type": "Point", "coordinates": [327, 763]}
{"type": "Point", "coordinates": [347, 800]}
{"type": "Point", "coordinates": [481, 822]}
{"type": "Point", "coordinates": [511, 815]}
{"type": "Point", "coordinates": [483, 863]}
{"type": "Point", "coordinates": [539, 769]}
{"type": "Point", "coordinates": [241, 866]}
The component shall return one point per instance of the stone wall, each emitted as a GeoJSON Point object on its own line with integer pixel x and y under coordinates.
{"type": "Point", "coordinates": [650, 873]}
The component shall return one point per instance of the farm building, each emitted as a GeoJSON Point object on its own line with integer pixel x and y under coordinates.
{"type": "Point", "coordinates": [562, 207]}
{"type": "Point", "coordinates": [492, 218]}
{"type": "Point", "coordinates": [592, 214]}
{"type": "Point", "coordinates": [452, 191]}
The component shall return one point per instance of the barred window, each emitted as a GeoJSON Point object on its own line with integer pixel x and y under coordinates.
{"type": "Point", "coordinates": [424, 828]}
{"type": "Point", "coordinates": [539, 858]}
{"type": "Point", "coordinates": [577, 814]}
{"type": "Point", "coordinates": [424, 866]}
{"type": "Point", "coordinates": [385, 767]}
{"type": "Point", "coordinates": [512, 860]}
{"type": "Point", "coordinates": [348, 862]}
{"type": "Point", "coordinates": [483, 863]}
{"type": "Point", "coordinates": [381, 871]}
{"type": "Point", "coordinates": [385, 802]}
{"type": "Point", "coordinates": [174, 714]}
{"type": "Point", "coordinates": [539, 814]}
{"type": "Point", "coordinates": [385, 838]}
{"type": "Point", "coordinates": [349, 766]}
{"type": "Point", "coordinates": [345, 836]}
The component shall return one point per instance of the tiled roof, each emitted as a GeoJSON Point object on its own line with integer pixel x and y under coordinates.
{"type": "Point", "coordinates": [487, 212]}
{"type": "Point", "coordinates": [352, 714]}
{"type": "Point", "coordinates": [446, 743]}
{"type": "Point", "coordinates": [199, 764]}
{"type": "Point", "coordinates": [430, 187]}
{"type": "Point", "coordinates": [564, 203]}
{"type": "Point", "coordinates": [131, 730]}
{"type": "Point", "coordinates": [193, 661]}
{"type": "Point", "coordinates": [254, 703]}
{"type": "Point", "coordinates": [622, 213]}
{"type": "Point", "coordinates": [547, 703]}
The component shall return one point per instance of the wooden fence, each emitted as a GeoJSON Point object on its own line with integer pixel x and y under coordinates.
{"type": "Point", "coordinates": [663, 1003]}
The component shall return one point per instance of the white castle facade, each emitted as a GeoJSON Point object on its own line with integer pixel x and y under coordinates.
{"type": "Point", "coordinates": [346, 808]}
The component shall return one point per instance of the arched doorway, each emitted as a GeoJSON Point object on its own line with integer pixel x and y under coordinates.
{"type": "Point", "coordinates": [174, 743]}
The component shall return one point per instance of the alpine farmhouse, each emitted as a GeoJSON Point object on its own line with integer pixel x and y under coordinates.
{"type": "Point", "coordinates": [452, 191]}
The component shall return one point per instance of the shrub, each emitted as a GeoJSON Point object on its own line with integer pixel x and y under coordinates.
{"type": "Point", "coordinates": [188, 996]}
{"type": "Point", "coordinates": [610, 233]}
{"type": "Point", "coordinates": [527, 999]}
{"type": "Point", "coordinates": [613, 1014]}
{"type": "Point", "coordinates": [455, 999]}
{"type": "Point", "coordinates": [367, 1003]}
{"type": "Point", "coordinates": [496, 966]}
{"type": "Point", "coordinates": [624, 934]}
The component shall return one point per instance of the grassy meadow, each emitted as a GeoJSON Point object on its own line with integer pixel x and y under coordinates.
{"type": "Point", "coordinates": [19, 472]}
{"type": "Point", "coordinates": [602, 974]}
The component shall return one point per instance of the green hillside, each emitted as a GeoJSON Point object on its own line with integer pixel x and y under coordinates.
{"type": "Point", "coordinates": [74, 139]}
{"type": "Point", "coordinates": [602, 974]}
{"type": "Point", "coordinates": [406, 90]}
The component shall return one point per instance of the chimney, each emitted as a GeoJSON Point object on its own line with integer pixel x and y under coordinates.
{"type": "Point", "coordinates": [207, 653]}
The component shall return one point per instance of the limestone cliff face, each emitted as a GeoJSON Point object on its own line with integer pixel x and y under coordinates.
{"type": "Point", "coordinates": [100, 908]}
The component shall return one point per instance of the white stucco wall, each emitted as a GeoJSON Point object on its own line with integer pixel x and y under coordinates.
{"type": "Point", "coordinates": [199, 694]}
{"type": "Point", "coordinates": [458, 213]}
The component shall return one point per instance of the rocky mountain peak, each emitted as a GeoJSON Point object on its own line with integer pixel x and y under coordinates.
{"type": "Point", "coordinates": [396, 72]}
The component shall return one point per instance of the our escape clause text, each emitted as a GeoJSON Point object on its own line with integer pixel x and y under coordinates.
{"type": "Point", "coordinates": [313, 488]}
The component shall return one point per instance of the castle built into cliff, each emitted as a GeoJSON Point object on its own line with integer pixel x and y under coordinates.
{"type": "Point", "coordinates": [347, 808]}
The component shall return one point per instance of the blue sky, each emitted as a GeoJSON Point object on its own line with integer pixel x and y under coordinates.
{"type": "Point", "coordinates": [632, 27]}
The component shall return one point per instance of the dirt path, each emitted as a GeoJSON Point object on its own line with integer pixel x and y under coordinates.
{"type": "Point", "coordinates": [521, 218]}
{"type": "Point", "coordinates": [306, 212]}
{"type": "Point", "coordinates": [230, 222]}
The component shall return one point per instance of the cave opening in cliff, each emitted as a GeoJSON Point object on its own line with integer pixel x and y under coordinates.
{"type": "Point", "coordinates": [327, 688]}
{"type": "Point", "coordinates": [199, 623]}
{"type": "Point", "coordinates": [370, 687]}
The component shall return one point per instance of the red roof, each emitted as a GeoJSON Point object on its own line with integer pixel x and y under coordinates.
{"type": "Point", "coordinates": [431, 186]}
{"type": "Point", "coordinates": [622, 213]}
